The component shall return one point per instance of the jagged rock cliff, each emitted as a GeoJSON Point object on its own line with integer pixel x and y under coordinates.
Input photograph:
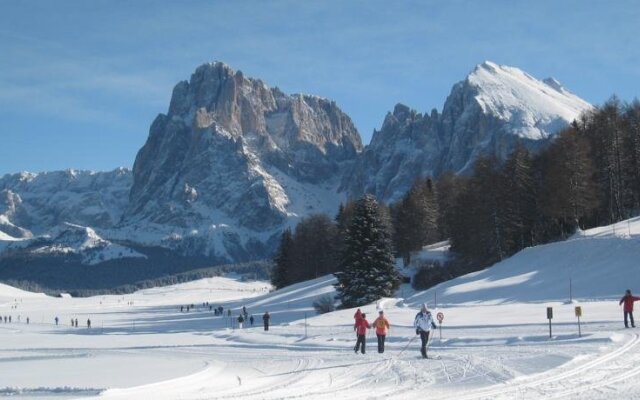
{"type": "Point", "coordinates": [232, 152]}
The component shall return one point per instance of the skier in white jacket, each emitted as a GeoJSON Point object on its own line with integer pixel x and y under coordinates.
{"type": "Point", "coordinates": [423, 324]}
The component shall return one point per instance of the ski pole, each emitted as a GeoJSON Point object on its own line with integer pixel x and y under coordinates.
{"type": "Point", "coordinates": [406, 347]}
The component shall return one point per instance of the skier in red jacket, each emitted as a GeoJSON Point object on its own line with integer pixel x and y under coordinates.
{"type": "Point", "coordinates": [357, 315]}
{"type": "Point", "coordinates": [628, 300]}
{"type": "Point", "coordinates": [356, 318]}
{"type": "Point", "coordinates": [361, 330]}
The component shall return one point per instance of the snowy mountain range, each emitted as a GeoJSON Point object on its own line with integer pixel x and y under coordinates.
{"type": "Point", "coordinates": [234, 161]}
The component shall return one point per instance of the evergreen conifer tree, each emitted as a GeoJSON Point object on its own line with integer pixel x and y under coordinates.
{"type": "Point", "coordinates": [367, 270]}
{"type": "Point", "coordinates": [416, 219]}
{"type": "Point", "coordinates": [280, 275]}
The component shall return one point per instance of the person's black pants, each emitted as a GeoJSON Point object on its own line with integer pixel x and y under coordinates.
{"type": "Point", "coordinates": [266, 327]}
{"type": "Point", "coordinates": [360, 343]}
{"type": "Point", "coordinates": [381, 343]}
{"type": "Point", "coordinates": [629, 315]}
{"type": "Point", "coordinates": [424, 337]}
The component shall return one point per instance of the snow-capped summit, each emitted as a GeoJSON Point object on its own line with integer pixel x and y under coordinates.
{"type": "Point", "coordinates": [532, 110]}
{"type": "Point", "coordinates": [488, 113]}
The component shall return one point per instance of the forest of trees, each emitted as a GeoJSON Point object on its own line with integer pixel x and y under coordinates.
{"type": "Point", "coordinates": [588, 175]}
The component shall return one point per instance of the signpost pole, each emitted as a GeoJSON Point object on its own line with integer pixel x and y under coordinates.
{"type": "Point", "coordinates": [579, 330]}
{"type": "Point", "coordinates": [550, 317]}
{"type": "Point", "coordinates": [578, 310]}
{"type": "Point", "coordinates": [440, 317]}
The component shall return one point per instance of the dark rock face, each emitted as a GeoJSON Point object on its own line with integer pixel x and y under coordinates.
{"type": "Point", "coordinates": [214, 153]}
{"type": "Point", "coordinates": [407, 146]}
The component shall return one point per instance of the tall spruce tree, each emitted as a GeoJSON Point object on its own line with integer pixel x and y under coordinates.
{"type": "Point", "coordinates": [314, 244]}
{"type": "Point", "coordinates": [367, 270]}
{"type": "Point", "coordinates": [568, 191]}
{"type": "Point", "coordinates": [416, 219]}
{"type": "Point", "coordinates": [281, 273]}
{"type": "Point", "coordinates": [518, 199]}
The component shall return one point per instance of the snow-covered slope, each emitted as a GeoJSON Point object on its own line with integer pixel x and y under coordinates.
{"type": "Point", "coordinates": [534, 109]}
{"type": "Point", "coordinates": [34, 203]}
{"type": "Point", "coordinates": [494, 344]}
{"type": "Point", "coordinates": [11, 294]}
{"type": "Point", "coordinates": [71, 239]}
{"type": "Point", "coordinates": [599, 263]}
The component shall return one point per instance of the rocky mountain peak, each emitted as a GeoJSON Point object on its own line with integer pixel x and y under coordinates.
{"type": "Point", "coordinates": [494, 108]}
{"type": "Point", "coordinates": [555, 84]}
{"type": "Point", "coordinates": [231, 149]}
{"type": "Point", "coordinates": [534, 109]}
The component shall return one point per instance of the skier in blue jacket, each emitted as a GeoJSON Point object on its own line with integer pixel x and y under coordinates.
{"type": "Point", "coordinates": [423, 324]}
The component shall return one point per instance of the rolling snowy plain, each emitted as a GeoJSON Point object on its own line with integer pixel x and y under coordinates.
{"type": "Point", "coordinates": [495, 336]}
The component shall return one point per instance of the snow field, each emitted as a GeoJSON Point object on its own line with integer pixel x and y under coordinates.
{"type": "Point", "coordinates": [495, 339]}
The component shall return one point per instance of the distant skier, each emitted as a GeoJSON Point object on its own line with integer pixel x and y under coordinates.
{"type": "Point", "coordinates": [56, 319]}
{"type": "Point", "coordinates": [76, 322]}
{"type": "Point", "coordinates": [265, 319]}
{"type": "Point", "coordinates": [361, 330]}
{"type": "Point", "coordinates": [27, 320]}
{"type": "Point", "coordinates": [240, 320]}
{"type": "Point", "coordinates": [357, 316]}
{"type": "Point", "coordinates": [423, 324]}
{"type": "Point", "coordinates": [628, 300]}
{"type": "Point", "coordinates": [382, 327]}
{"type": "Point", "coordinates": [88, 324]}
{"type": "Point", "coordinates": [251, 319]}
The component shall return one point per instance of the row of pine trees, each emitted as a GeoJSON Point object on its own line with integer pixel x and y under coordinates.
{"type": "Point", "coordinates": [588, 175]}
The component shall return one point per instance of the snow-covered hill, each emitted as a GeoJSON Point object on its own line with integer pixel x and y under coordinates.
{"type": "Point", "coordinates": [595, 264]}
{"type": "Point", "coordinates": [495, 339]}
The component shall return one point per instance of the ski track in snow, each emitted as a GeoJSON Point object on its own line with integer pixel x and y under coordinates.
{"type": "Point", "coordinates": [327, 376]}
{"type": "Point", "coordinates": [495, 343]}
{"type": "Point", "coordinates": [475, 362]}
{"type": "Point", "coordinates": [602, 371]}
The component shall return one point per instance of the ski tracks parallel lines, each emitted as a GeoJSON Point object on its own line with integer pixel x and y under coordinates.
{"type": "Point", "coordinates": [542, 385]}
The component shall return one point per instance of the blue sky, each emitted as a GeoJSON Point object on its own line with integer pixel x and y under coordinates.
{"type": "Point", "coordinates": [81, 81]}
